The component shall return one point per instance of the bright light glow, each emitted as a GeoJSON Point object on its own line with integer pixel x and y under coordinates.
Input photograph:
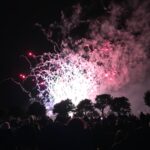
{"type": "Point", "coordinates": [22, 76]}
{"type": "Point", "coordinates": [31, 54]}
{"type": "Point", "coordinates": [59, 78]}
{"type": "Point", "coordinates": [78, 75]}
{"type": "Point", "coordinates": [105, 60]}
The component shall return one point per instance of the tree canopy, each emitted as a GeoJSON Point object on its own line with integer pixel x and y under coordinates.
{"type": "Point", "coordinates": [64, 107]}
{"type": "Point", "coordinates": [102, 101]}
{"type": "Point", "coordinates": [121, 106]}
{"type": "Point", "coordinates": [147, 98]}
{"type": "Point", "coordinates": [85, 108]}
{"type": "Point", "coordinates": [37, 109]}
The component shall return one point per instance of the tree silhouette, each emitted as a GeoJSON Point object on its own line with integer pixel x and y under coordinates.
{"type": "Point", "coordinates": [147, 98]}
{"type": "Point", "coordinates": [85, 109]}
{"type": "Point", "coordinates": [37, 109]}
{"type": "Point", "coordinates": [63, 108]}
{"type": "Point", "coordinates": [121, 106]}
{"type": "Point", "coordinates": [17, 111]}
{"type": "Point", "coordinates": [102, 101]}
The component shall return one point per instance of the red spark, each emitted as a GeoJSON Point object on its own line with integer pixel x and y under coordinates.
{"type": "Point", "coordinates": [42, 83]}
{"type": "Point", "coordinates": [22, 76]}
{"type": "Point", "coordinates": [106, 74]}
{"type": "Point", "coordinates": [31, 54]}
{"type": "Point", "coordinates": [110, 79]}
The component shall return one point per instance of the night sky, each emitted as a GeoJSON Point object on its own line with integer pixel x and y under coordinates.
{"type": "Point", "coordinates": [18, 31]}
{"type": "Point", "coordinates": [20, 35]}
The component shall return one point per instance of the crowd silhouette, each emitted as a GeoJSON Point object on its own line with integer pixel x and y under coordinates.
{"type": "Point", "coordinates": [107, 124]}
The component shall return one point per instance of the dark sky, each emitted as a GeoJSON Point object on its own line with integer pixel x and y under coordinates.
{"type": "Point", "coordinates": [20, 35]}
{"type": "Point", "coordinates": [18, 30]}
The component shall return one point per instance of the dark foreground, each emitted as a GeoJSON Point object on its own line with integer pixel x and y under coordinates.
{"type": "Point", "coordinates": [112, 133]}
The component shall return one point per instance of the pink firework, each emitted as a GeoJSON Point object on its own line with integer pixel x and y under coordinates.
{"type": "Point", "coordinates": [61, 76]}
{"type": "Point", "coordinates": [76, 75]}
{"type": "Point", "coordinates": [105, 61]}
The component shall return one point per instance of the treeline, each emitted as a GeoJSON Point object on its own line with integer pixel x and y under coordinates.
{"type": "Point", "coordinates": [106, 124]}
{"type": "Point", "coordinates": [103, 106]}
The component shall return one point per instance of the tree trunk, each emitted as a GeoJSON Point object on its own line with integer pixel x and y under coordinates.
{"type": "Point", "coordinates": [102, 111]}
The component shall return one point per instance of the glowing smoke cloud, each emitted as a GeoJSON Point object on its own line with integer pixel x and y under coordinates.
{"type": "Point", "coordinates": [105, 60]}
{"type": "Point", "coordinates": [76, 75]}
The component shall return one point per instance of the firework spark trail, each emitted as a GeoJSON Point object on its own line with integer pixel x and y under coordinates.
{"type": "Point", "coordinates": [60, 78]}
{"type": "Point", "coordinates": [107, 60]}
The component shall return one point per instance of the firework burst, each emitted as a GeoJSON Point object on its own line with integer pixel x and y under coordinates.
{"type": "Point", "coordinates": [106, 59]}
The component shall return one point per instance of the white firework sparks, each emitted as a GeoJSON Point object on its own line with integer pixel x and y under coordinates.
{"type": "Point", "coordinates": [107, 60]}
